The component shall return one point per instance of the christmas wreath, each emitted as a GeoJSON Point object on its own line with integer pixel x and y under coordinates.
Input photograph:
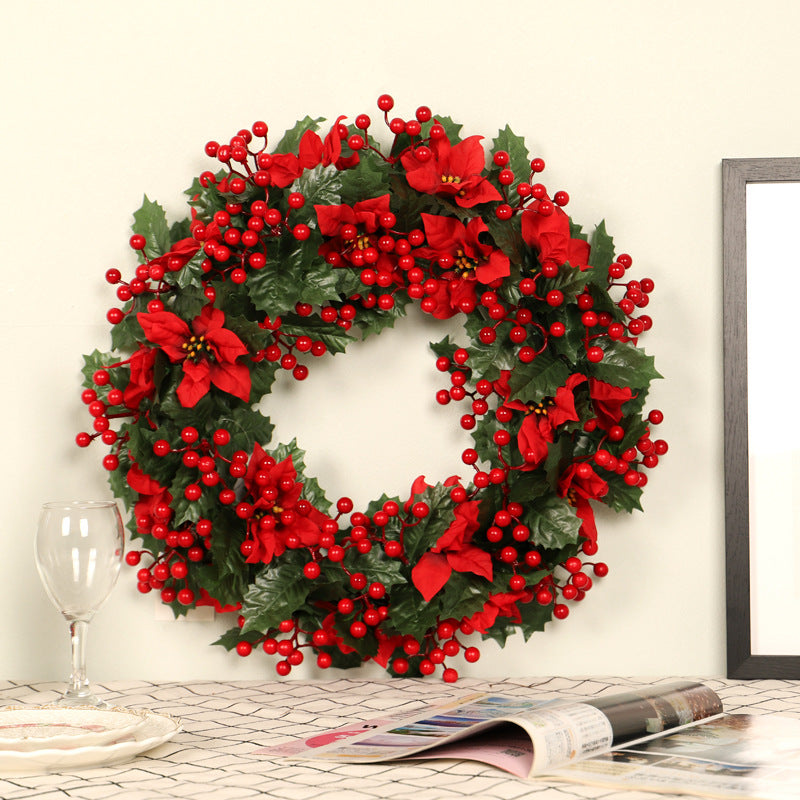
{"type": "Point", "coordinates": [299, 250]}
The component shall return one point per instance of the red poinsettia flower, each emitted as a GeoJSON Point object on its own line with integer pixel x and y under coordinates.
{"type": "Point", "coordinates": [502, 604]}
{"type": "Point", "coordinates": [580, 484]}
{"type": "Point", "coordinates": [278, 513]}
{"type": "Point", "coordinates": [549, 234]}
{"type": "Point", "coordinates": [207, 351]}
{"type": "Point", "coordinates": [542, 419]}
{"type": "Point", "coordinates": [151, 495]}
{"type": "Point", "coordinates": [473, 262]}
{"type": "Point", "coordinates": [455, 171]}
{"type": "Point", "coordinates": [607, 401]}
{"type": "Point", "coordinates": [140, 385]}
{"type": "Point", "coordinates": [338, 223]}
{"type": "Point", "coordinates": [285, 168]}
{"type": "Point", "coordinates": [453, 551]}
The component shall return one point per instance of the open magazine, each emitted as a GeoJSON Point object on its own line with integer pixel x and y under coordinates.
{"type": "Point", "coordinates": [667, 738]}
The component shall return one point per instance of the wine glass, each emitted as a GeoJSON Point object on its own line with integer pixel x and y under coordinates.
{"type": "Point", "coordinates": [78, 551]}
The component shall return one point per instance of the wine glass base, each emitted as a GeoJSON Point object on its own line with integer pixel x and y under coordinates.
{"type": "Point", "coordinates": [80, 700]}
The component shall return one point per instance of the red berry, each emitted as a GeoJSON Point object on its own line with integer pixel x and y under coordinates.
{"type": "Point", "coordinates": [420, 510]}
{"type": "Point", "coordinates": [472, 654]}
{"type": "Point", "coordinates": [423, 114]}
{"type": "Point", "coordinates": [311, 570]}
{"type": "Point", "coordinates": [385, 102]}
{"type": "Point", "coordinates": [186, 597]}
{"type": "Point", "coordinates": [244, 648]}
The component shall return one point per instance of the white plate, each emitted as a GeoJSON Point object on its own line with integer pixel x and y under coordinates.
{"type": "Point", "coordinates": [155, 730]}
{"type": "Point", "coordinates": [39, 727]}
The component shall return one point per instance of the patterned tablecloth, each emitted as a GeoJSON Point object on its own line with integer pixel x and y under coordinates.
{"type": "Point", "coordinates": [225, 722]}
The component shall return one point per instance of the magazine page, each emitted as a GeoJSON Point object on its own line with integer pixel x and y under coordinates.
{"type": "Point", "coordinates": [522, 736]}
{"type": "Point", "coordinates": [737, 756]}
{"type": "Point", "coordinates": [545, 738]}
{"type": "Point", "coordinates": [651, 710]}
{"type": "Point", "coordinates": [533, 741]}
{"type": "Point", "coordinates": [407, 733]}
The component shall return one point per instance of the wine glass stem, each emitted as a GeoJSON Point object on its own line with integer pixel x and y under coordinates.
{"type": "Point", "coordinates": [79, 683]}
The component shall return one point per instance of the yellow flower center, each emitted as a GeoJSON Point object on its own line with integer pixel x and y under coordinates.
{"type": "Point", "coordinates": [464, 266]}
{"type": "Point", "coordinates": [541, 409]}
{"type": "Point", "coordinates": [195, 347]}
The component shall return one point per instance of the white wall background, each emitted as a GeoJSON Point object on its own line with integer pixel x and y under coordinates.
{"type": "Point", "coordinates": [632, 105]}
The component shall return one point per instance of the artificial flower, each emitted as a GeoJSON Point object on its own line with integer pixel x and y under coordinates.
{"type": "Point", "coordinates": [607, 401]}
{"type": "Point", "coordinates": [542, 419]}
{"type": "Point", "coordinates": [207, 351]}
{"type": "Point", "coordinates": [141, 384]}
{"type": "Point", "coordinates": [277, 510]}
{"type": "Point", "coordinates": [549, 235]}
{"type": "Point", "coordinates": [580, 484]}
{"type": "Point", "coordinates": [455, 171]}
{"type": "Point", "coordinates": [453, 551]}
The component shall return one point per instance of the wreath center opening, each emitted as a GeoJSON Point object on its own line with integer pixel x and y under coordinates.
{"type": "Point", "coordinates": [369, 418]}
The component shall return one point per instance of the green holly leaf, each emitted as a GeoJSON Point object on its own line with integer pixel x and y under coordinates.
{"type": "Point", "coordinates": [374, 320]}
{"type": "Point", "coordinates": [275, 594]}
{"type": "Point", "coordinates": [624, 364]}
{"type": "Point", "coordinates": [182, 229]}
{"type": "Point", "coordinates": [553, 523]}
{"type": "Point", "coordinates": [409, 614]}
{"type": "Point", "coordinates": [126, 334]}
{"type": "Point", "coordinates": [191, 273]}
{"type": "Point", "coordinates": [91, 363]}
{"type": "Point", "coordinates": [488, 360]}
{"type": "Point", "coordinates": [533, 617]}
{"type": "Point", "coordinates": [281, 284]}
{"type": "Point", "coordinates": [371, 179]}
{"type": "Point", "coordinates": [376, 566]}
{"type": "Point", "coordinates": [229, 639]}
{"type": "Point", "coordinates": [519, 159]}
{"type": "Point", "coordinates": [246, 426]}
{"type": "Point", "coordinates": [335, 337]}
{"type": "Point", "coordinates": [444, 347]}
{"type": "Point", "coordinates": [528, 486]}
{"type": "Point", "coordinates": [150, 221]}
{"type": "Point", "coordinates": [507, 235]}
{"type": "Point", "coordinates": [542, 377]}
{"type": "Point", "coordinates": [424, 535]}
{"type": "Point", "coordinates": [620, 496]}
{"type": "Point", "coordinates": [602, 249]}
{"type": "Point", "coordinates": [321, 186]}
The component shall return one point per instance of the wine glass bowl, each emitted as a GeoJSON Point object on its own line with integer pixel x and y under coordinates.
{"type": "Point", "coordinates": [78, 551]}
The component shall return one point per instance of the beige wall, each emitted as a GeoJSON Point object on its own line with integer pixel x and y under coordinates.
{"type": "Point", "coordinates": [632, 105]}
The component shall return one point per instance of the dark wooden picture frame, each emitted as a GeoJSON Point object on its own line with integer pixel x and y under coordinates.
{"type": "Point", "coordinates": [736, 174]}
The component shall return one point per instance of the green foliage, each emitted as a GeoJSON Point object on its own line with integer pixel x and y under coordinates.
{"type": "Point", "coordinates": [150, 221]}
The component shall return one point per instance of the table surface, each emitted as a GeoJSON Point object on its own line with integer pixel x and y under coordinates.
{"type": "Point", "coordinates": [223, 723]}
